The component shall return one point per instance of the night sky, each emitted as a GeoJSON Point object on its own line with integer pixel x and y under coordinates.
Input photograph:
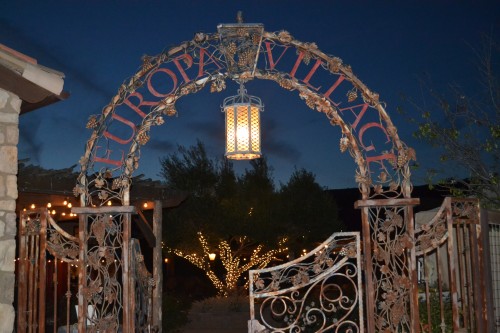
{"type": "Point", "coordinates": [99, 44]}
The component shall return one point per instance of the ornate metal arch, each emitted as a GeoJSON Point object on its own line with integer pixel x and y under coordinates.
{"type": "Point", "coordinates": [242, 52]}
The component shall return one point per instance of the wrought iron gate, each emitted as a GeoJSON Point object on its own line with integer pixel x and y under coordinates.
{"type": "Point", "coordinates": [113, 292]}
{"type": "Point", "coordinates": [318, 292]}
{"type": "Point", "coordinates": [451, 271]}
{"type": "Point", "coordinates": [47, 276]}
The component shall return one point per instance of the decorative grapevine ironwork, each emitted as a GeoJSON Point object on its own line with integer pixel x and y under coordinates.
{"type": "Point", "coordinates": [241, 52]}
{"type": "Point", "coordinates": [60, 244]}
{"type": "Point", "coordinates": [431, 235]}
{"type": "Point", "coordinates": [465, 209]}
{"type": "Point", "coordinates": [316, 293]}
{"type": "Point", "coordinates": [102, 290]}
{"type": "Point", "coordinates": [143, 289]}
{"type": "Point", "coordinates": [391, 269]}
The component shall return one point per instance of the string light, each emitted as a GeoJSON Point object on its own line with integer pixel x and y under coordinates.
{"type": "Point", "coordinates": [231, 261]}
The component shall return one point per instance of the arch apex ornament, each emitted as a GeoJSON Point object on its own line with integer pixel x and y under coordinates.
{"type": "Point", "coordinates": [240, 44]}
{"type": "Point", "coordinates": [242, 52]}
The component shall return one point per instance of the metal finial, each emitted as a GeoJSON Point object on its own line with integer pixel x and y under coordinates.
{"type": "Point", "coordinates": [239, 17]}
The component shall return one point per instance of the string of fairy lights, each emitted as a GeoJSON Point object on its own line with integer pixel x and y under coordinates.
{"type": "Point", "coordinates": [234, 264]}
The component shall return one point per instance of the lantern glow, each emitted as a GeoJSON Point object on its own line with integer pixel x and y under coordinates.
{"type": "Point", "coordinates": [242, 125]}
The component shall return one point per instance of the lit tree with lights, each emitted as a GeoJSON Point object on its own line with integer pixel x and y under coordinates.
{"type": "Point", "coordinates": [236, 260]}
{"type": "Point", "coordinates": [246, 217]}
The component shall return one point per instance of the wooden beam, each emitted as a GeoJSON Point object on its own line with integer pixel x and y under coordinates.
{"type": "Point", "coordinates": [146, 230]}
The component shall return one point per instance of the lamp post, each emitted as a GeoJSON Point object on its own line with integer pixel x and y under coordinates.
{"type": "Point", "coordinates": [242, 125]}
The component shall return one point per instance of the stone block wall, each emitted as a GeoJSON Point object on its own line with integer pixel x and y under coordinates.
{"type": "Point", "coordinates": [10, 106]}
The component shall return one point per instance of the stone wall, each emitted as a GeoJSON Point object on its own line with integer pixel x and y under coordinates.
{"type": "Point", "coordinates": [10, 106]}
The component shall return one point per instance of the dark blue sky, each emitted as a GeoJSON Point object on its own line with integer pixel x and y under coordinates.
{"type": "Point", "coordinates": [99, 44]}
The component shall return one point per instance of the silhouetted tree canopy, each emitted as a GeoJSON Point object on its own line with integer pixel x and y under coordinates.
{"type": "Point", "coordinates": [223, 205]}
{"type": "Point", "coordinates": [464, 126]}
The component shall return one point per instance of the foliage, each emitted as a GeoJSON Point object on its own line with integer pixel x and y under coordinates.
{"type": "Point", "coordinates": [466, 128]}
{"type": "Point", "coordinates": [435, 314]}
{"type": "Point", "coordinates": [240, 215]}
{"type": "Point", "coordinates": [237, 257]}
{"type": "Point", "coordinates": [307, 211]}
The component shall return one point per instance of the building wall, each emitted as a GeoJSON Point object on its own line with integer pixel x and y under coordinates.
{"type": "Point", "coordinates": [10, 106]}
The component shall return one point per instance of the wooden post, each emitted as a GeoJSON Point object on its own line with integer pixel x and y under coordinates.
{"type": "Point", "coordinates": [157, 266]}
{"type": "Point", "coordinates": [485, 257]}
{"type": "Point", "coordinates": [82, 272]}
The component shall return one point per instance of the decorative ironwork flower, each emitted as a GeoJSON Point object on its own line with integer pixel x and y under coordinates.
{"type": "Point", "coordinates": [92, 122]}
{"type": "Point", "coordinates": [200, 37]}
{"type": "Point", "coordinates": [259, 284]}
{"type": "Point", "coordinates": [385, 269]}
{"type": "Point", "coordinates": [142, 138]}
{"type": "Point", "coordinates": [103, 195]}
{"type": "Point", "coordinates": [78, 189]}
{"type": "Point", "coordinates": [285, 83]}
{"type": "Point", "coordinates": [217, 85]}
{"type": "Point", "coordinates": [99, 182]}
{"type": "Point", "coordinates": [334, 64]}
{"type": "Point", "coordinates": [159, 121]}
{"type": "Point", "coordinates": [284, 37]}
{"type": "Point", "coordinates": [352, 95]}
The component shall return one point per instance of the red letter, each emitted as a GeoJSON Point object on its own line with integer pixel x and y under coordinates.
{"type": "Point", "coordinates": [106, 158]}
{"type": "Point", "coordinates": [333, 87]}
{"type": "Point", "coordinates": [311, 72]}
{"type": "Point", "coordinates": [117, 139]}
{"type": "Point", "coordinates": [270, 55]}
{"type": "Point", "coordinates": [189, 63]}
{"type": "Point", "coordinates": [362, 131]}
{"type": "Point", "coordinates": [202, 61]}
{"type": "Point", "coordinates": [169, 73]}
{"type": "Point", "coordinates": [297, 63]}
{"type": "Point", "coordinates": [358, 116]}
{"type": "Point", "coordinates": [136, 108]}
{"type": "Point", "coordinates": [379, 159]}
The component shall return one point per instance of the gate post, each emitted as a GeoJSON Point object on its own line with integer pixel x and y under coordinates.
{"type": "Point", "coordinates": [157, 266]}
{"type": "Point", "coordinates": [390, 264]}
{"type": "Point", "coordinates": [486, 263]}
{"type": "Point", "coordinates": [32, 271]}
{"type": "Point", "coordinates": [104, 234]}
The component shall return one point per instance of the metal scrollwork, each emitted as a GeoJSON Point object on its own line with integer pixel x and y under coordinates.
{"type": "Point", "coordinates": [61, 244]}
{"type": "Point", "coordinates": [143, 286]}
{"type": "Point", "coordinates": [102, 290]}
{"type": "Point", "coordinates": [391, 269]}
{"type": "Point", "coordinates": [431, 235]}
{"type": "Point", "coordinates": [315, 293]}
{"type": "Point", "coordinates": [241, 52]}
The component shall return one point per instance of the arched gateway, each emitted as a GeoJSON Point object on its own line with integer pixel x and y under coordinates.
{"type": "Point", "coordinates": [244, 52]}
{"type": "Point", "coordinates": [114, 288]}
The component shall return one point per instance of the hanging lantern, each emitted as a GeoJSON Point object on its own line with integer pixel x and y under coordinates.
{"type": "Point", "coordinates": [242, 125]}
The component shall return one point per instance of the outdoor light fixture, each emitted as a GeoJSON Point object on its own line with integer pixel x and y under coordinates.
{"type": "Point", "coordinates": [242, 125]}
{"type": "Point", "coordinates": [211, 256]}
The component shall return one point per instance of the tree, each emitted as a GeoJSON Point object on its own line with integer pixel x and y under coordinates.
{"type": "Point", "coordinates": [231, 254]}
{"type": "Point", "coordinates": [308, 213]}
{"type": "Point", "coordinates": [466, 128]}
{"type": "Point", "coordinates": [245, 218]}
